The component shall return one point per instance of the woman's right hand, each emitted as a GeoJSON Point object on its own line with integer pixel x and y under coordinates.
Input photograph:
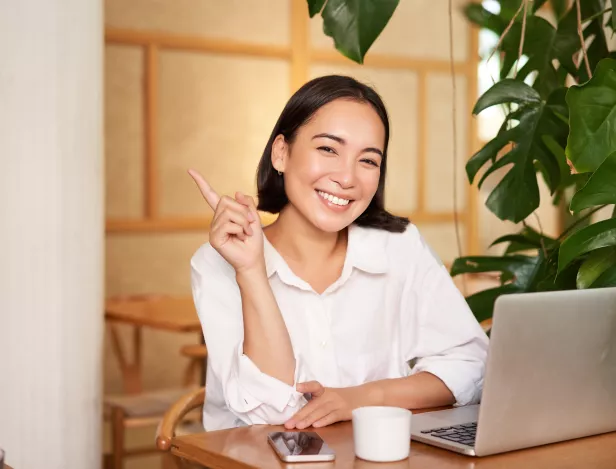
{"type": "Point", "coordinates": [236, 231]}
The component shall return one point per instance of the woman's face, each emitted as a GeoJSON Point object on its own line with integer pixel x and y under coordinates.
{"type": "Point", "coordinates": [332, 169]}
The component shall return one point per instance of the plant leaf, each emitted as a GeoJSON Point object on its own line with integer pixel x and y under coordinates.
{"type": "Point", "coordinates": [595, 236]}
{"type": "Point", "coordinates": [355, 24]}
{"type": "Point", "coordinates": [592, 116]}
{"type": "Point", "coordinates": [481, 17]}
{"type": "Point", "coordinates": [315, 6]}
{"type": "Point", "coordinates": [597, 263]}
{"type": "Point", "coordinates": [520, 269]}
{"type": "Point", "coordinates": [600, 188]}
{"type": "Point", "coordinates": [482, 303]}
{"type": "Point", "coordinates": [525, 240]}
{"type": "Point", "coordinates": [607, 279]}
{"type": "Point", "coordinates": [507, 91]}
{"type": "Point", "coordinates": [517, 195]}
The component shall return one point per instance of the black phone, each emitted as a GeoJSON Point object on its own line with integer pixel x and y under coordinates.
{"type": "Point", "coordinates": [300, 447]}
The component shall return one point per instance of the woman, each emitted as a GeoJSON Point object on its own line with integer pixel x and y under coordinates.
{"type": "Point", "coordinates": [321, 312]}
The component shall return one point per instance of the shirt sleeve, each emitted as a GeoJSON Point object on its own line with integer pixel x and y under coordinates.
{"type": "Point", "coordinates": [447, 341]}
{"type": "Point", "coordinates": [253, 396]}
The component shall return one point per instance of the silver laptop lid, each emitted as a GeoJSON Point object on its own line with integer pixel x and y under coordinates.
{"type": "Point", "coordinates": [551, 371]}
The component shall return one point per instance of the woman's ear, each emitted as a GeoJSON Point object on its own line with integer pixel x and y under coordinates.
{"type": "Point", "coordinates": [280, 153]}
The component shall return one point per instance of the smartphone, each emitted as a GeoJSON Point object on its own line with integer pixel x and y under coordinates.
{"type": "Point", "coordinates": [300, 447]}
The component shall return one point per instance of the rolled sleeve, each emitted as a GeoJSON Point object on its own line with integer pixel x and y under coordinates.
{"type": "Point", "coordinates": [257, 388]}
{"type": "Point", "coordinates": [448, 342]}
{"type": "Point", "coordinates": [463, 378]}
{"type": "Point", "coordinates": [236, 389]}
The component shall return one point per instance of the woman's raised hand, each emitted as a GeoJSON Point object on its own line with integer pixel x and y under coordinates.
{"type": "Point", "coordinates": [235, 231]}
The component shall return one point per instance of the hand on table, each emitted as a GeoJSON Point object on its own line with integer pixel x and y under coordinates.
{"type": "Point", "coordinates": [327, 406]}
{"type": "Point", "coordinates": [235, 231]}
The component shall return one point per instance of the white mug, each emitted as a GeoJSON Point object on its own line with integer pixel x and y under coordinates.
{"type": "Point", "coordinates": [382, 434]}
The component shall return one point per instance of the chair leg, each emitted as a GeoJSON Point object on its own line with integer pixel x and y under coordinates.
{"type": "Point", "coordinates": [117, 438]}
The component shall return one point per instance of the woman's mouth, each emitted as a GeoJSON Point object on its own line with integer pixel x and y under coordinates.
{"type": "Point", "coordinates": [333, 201]}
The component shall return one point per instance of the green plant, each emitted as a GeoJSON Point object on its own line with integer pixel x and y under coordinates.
{"type": "Point", "coordinates": [563, 134]}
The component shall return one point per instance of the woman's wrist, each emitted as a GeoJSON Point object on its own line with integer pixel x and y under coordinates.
{"type": "Point", "coordinates": [250, 275]}
{"type": "Point", "coordinates": [374, 393]}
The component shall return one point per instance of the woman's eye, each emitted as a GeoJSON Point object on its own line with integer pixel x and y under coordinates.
{"type": "Point", "coordinates": [370, 162]}
{"type": "Point", "coordinates": [327, 149]}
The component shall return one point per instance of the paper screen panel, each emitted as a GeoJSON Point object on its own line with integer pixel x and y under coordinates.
{"type": "Point", "coordinates": [442, 239]}
{"type": "Point", "coordinates": [216, 115]}
{"type": "Point", "coordinates": [255, 21]}
{"type": "Point", "coordinates": [148, 262]}
{"type": "Point", "coordinates": [124, 132]}
{"type": "Point", "coordinates": [439, 145]}
{"type": "Point", "coordinates": [398, 88]}
{"type": "Point", "coordinates": [418, 29]}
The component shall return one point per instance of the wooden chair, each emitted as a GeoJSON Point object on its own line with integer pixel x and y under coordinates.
{"type": "Point", "coordinates": [170, 426]}
{"type": "Point", "coordinates": [135, 408]}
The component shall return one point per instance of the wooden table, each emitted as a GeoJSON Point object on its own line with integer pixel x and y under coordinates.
{"type": "Point", "coordinates": [160, 312]}
{"type": "Point", "coordinates": [247, 448]}
{"type": "Point", "coordinates": [174, 314]}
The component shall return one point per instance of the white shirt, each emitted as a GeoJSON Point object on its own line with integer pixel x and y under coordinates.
{"type": "Point", "coordinates": [393, 303]}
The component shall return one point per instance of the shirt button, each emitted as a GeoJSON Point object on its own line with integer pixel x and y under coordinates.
{"type": "Point", "coordinates": [324, 344]}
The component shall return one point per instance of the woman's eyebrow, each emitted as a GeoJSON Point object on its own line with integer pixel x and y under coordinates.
{"type": "Point", "coordinates": [342, 141]}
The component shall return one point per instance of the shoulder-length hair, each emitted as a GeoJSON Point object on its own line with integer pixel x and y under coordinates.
{"type": "Point", "coordinates": [297, 112]}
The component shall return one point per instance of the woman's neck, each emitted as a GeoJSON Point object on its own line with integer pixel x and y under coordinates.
{"type": "Point", "coordinates": [298, 240]}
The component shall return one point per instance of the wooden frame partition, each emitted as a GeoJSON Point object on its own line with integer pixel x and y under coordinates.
{"type": "Point", "coordinates": [300, 56]}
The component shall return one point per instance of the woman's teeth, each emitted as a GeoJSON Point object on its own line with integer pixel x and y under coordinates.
{"type": "Point", "coordinates": [333, 199]}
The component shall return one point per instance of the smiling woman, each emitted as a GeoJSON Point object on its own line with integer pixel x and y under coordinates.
{"type": "Point", "coordinates": [321, 312]}
{"type": "Point", "coordinates": [332, 133]}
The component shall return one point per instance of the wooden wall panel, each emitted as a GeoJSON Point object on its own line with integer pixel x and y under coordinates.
{"type": "Point", "coordinates": [439, 145]}
{"type": "Point", "coordinates": [258, 21]}
{"type": "Point", "coordinates": [146, 263]}
{"type": "Point", "coordinates": [124, 132]}
{"type": "Point", "coordinates": [442, 239]}
{"type": "Point", "coordinates": [216, 114]}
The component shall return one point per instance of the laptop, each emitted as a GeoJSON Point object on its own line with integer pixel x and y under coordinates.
{"type": "Point", "coordinates": [550, 376]}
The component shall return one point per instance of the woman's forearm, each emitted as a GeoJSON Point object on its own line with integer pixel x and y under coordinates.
{"type": "Point", "coordinates": [419, 391]}
{"type": "Point", "coordinates": [266, 339]}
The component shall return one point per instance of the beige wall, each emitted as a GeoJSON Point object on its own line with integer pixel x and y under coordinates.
{"type": "Point", "coordinates": [215, 110]}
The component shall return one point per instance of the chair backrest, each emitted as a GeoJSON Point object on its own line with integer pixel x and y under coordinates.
{"type": "Point", "coordinates": [172, 418]}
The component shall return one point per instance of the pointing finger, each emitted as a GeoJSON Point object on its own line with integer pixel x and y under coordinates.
{"type": "Point", "coordinates": [209, 194]}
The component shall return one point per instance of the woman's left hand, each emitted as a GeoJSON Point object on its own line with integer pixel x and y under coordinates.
{"type": "Point", "coordinates": [327, 406]}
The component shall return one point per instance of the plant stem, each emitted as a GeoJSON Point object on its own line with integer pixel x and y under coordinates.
{"type": "Point", "coordinates": [596, 15]}
{"type": "Point", "coordinates": [521, 48]}
{"type": "Point", "coordinates": [581, 34]}
{"type": "Point", "coordinates": [455, 139]}
{"type": "Point", "coordinates": [500, 39]}
{"type": "Point", "coordinates": [580, 220]}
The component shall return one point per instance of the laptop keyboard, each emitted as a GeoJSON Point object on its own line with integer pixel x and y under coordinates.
{"type": "Point", "coordinates": [463, 434]}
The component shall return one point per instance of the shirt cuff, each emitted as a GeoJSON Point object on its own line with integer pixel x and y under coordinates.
{"type": "Point", "coordinates": [457, 377]}
{"type": "Point", "coordinates": [259, 388]}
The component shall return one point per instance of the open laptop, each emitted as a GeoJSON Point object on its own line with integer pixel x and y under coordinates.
{"type": "Point", "coordinates": [550, 376]}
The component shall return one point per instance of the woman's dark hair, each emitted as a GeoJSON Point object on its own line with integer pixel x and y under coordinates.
{"type": "Point", "coordinates": [298, 111]}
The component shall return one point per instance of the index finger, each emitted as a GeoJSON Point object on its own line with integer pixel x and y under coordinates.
{"type": "Point", "coordinates": [209, 194]}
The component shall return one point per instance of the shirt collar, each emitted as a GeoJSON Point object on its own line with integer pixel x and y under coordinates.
{"type": "Point", "coordinates": [366, 251]}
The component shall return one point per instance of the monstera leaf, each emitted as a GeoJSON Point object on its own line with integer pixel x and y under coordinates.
{"type": "Point", "coordinates": [599, 262]}
{"type": "Point", "coordinates": [517, 194]}
{"type": "Point", "coordinates": [518, 270]}
{"type": "Point", "coordinates": [353, 24]}
{"type": "Point", "coordinates": [596, 236]}
{"type": "Point", "coordinates": [592, 118]}
{"type": "Point", "coordinates": [600, 188]}
{"type": "Point", "coordinates": [545, 46]}
{"type": "Point", "coordinates": [526, 240]}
